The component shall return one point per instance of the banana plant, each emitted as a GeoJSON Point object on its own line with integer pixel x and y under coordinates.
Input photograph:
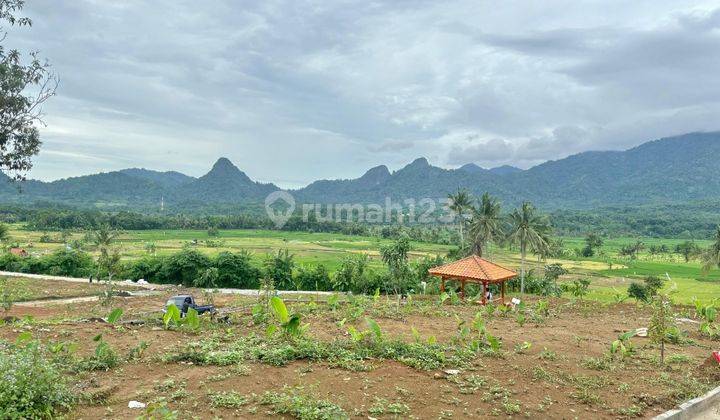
{"type": "Point", "coordinates": [173, 318]}
{"type": "Point", "coordinates": [115, 315]}
{"type": "Point", "coordinates": [623, 345]}
{"type": "Point", "coordinates": [289, 323]}
{"type": "Point", "coordinates": [373, 328]}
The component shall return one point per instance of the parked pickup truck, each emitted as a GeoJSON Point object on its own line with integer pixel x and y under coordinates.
{"type": "Point", "coordinates": [184, 302]}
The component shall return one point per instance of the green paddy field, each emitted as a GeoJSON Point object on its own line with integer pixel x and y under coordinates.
{"type": "Point", "coordinates": [610, 273]}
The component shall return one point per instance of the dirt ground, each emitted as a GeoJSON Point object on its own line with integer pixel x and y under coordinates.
{"type": "Point", "coordinates": [549, 378]}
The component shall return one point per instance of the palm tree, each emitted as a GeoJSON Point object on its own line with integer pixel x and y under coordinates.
{"type": "Point", "coordinates": [529, 230]}
{"type": "Point", "coordinates": [486, 223]}
{"type": "Point", "coordinates": [4, 232]}
{"type": "Point", "coordinates": [104, 236]}
{"type": "Point", "coordinates": [711, 257]}
{"type": "Point", "coordinates": [460, 202]}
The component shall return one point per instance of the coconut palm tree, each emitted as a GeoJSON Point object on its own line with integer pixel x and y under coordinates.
{"type": "Point", "coordinates": [460, 203]}
{"type": "Point", "coordinates": [711, 257]}
{"type": "Point", "coordinates": [486, 224]}
{"type": "Point", "coordinates": [104, 236]}
{"type": "Point", "coordinates": [529, 230]}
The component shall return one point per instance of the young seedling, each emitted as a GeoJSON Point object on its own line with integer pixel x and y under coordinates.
{"type": "Point", "coordinates": [662, 323]}
{"type": "Point", "coordinates": [623, 345]}
{"type": "Point", "coordinates": [290, 324]}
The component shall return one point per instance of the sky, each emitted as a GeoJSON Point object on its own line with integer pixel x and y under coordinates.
{"type": "Point", "coordinates": [294, 91]}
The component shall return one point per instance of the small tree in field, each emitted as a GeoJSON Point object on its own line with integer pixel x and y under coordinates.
{"type": "Point", "coordinates": [395, 256]}
{"type": "Point", "coordinates": [662, 323]}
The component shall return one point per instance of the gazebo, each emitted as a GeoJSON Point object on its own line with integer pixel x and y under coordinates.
{"type": "Point", "coordinates": [473, 269]}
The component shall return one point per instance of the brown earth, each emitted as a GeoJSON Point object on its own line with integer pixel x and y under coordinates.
{"type": "Point", "coordinates": [549, 380]}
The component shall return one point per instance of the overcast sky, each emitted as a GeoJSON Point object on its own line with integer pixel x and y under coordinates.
{"type": "Point", "coordinates": [300, 90]}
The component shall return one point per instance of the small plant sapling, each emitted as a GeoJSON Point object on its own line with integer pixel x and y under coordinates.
{"type": "Point", "coordinates": [623, 345]}
{"type": "Point", "coordinates": [289, 323]}
{"type": "Point", "coordinates": [662, 323]}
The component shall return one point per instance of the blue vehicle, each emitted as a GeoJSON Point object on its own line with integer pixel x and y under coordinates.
{"type": "Point", "coordinates": [185, 302]}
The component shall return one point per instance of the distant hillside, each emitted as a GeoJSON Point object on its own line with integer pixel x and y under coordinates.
{"type": "Point", "coordinates": [673, 170]}
{"type": "Point", "coordinates": [166, 179]}
{"type": "Point", "coordinates": [505, 170]}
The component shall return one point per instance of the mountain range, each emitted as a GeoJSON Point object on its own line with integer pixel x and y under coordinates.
{"type": "Point", "coordinates": [671, 170]}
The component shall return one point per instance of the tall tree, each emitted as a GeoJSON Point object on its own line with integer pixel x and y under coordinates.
{"type": "Point", "coordinates": [4, 232]}
{"type": "Point", "coordinates": [486, 224]}
{"type": "Point", "coordinates": [108, 259]}
{"type": "Point", "coordinates": [529, 230]}
{"type": "Point", "coordinates": [687, 249]}
{"type": "Point", "coordinates": [395, 256]}
{"type": "Point", "coordinates": [24, 87]}
{"type": "Point", "coordinates": [460, 203]}
{"type": "Point", "coordinates": [592, 242]}
{"type": "Point", "coordinates": [711, 257]}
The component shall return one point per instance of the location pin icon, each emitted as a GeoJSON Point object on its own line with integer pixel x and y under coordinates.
{"type": "Point", "coordinates": [279, 217]}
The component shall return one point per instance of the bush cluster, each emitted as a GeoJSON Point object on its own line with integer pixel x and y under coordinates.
{"type": "Point", "coordinates": [191, 267]}
{"type": "Point", "coordinates": [32, 386]}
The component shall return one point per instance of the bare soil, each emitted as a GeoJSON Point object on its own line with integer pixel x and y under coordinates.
{"type": "Point", "coordinates": [550, 379]}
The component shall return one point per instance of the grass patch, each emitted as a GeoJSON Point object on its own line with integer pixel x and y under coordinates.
{"type": "Point", "coordinates": [304, 406]}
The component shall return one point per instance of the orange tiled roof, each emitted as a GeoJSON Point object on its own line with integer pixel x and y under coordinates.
{"type": "Point", "coordinates": [473, 268]}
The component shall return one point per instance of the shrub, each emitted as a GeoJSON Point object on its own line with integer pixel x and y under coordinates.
{"type": "Point", "coordinates": [32, 386]}
{"type": "Point", "coordinates": [316, 278]}
{"type": "Point", "coordinates": [148, 268]}
{"type": "Point", "coordinates": [184, 267]}
{"type": "Point", "coordinates": [638, 292]}
{"type": "Point", "coordinates": [208, 278]}
{"type": "Point", "coordinates": [235, 270]}
{"type": "Point", "coordinates": [353, 275]}
{"type": "Point", "coordinates": [279, 268]}
{"type": "Point", "coordinates": [64, 262]}
{"type": "Point", "coordinates": [645, 292]}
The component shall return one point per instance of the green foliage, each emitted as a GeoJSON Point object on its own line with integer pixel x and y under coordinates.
{"type": "Point", "coordinates": [645, 292]}
{"type": "Point", "coordinates": [530, 231]}
{"type": "Point", "coordinates": [708, 318]}
{"type": "Point", "coordinates": [395, 256]}
{"type": "Point", "coordinates": [9, 294]}
{"type": "Point", "coordinates": [104, 357]}
{"type": "Point", "coordinates": [638, 292]}
{"type": "Point", "coordinates": [114, 315]}
{"type": "Point", "coordinates": [279, 267]}
{"type": "Point", "coordinates": [171, 316]}
{"type": "Point", "coordinates": [623, 346]}
{"type": "Point", "coordinates": [235, 270]}
{"type": "Point", "coordinates": [32, 385]}
{"type": "Point", "coordinates": [374, 328]}
{"type": "Point", "coordinates": [63, 262]}
{"type": "Point", "coordinates": [486, 224]}
{"type": "Point", "coordinates": [208, 278]}
{"type": "Point", "coordinates": [315, 278]}
{"type": "Point", "coordinates": [228, 399]}
{"type": "Point", "coordinates": [302, 406]}
{"type": "Point", "coordinates": [688, 249]}
{"type": "Point", "coordinates": [578, 288]}
{"type": "Point", "coordinates": [289, 323]}
{"type": "Point", "coordinates": [662, 323]}
{"type": "Point", "coordinates": [185, 267]}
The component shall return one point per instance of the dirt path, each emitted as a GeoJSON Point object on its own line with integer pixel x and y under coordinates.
{"type": "Point", "coordinates": [60, 301]}
{"type": "Point", "coordinates": [77, 279]}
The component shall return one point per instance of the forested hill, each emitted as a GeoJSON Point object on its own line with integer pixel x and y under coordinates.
{"type": "Point", "coordinates": [673, 170]}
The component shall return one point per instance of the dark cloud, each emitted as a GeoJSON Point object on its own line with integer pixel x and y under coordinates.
{"type": "Point", "coordinates": [280, 86]}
